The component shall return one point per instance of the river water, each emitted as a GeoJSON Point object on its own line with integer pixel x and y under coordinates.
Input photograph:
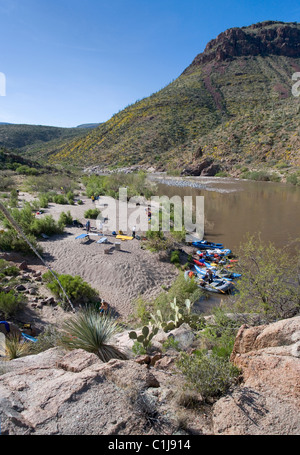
{"type": "Point", "coordinates": [233, 208]}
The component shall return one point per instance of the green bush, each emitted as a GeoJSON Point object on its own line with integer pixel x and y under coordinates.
{"type": "Point", "coordinates": [92, 214]}
{"type": "Point", "coordinates": [11, 241]}
{"type": "Point", "coordinates": [26, 170]}
{"type": "Point", "coordinates": [181, 290]}
{"type": "Point", "coordinates": [10, 304]}
{"type": "Point", "coordinates": [44, 200]}
{"type": "Point", "coordinates": [219, 336]}
{"type": "Point", "coordinates": [71, 197]}
{"type": "Point", "coordinates": [268, 285]}
{"type": "Point", "coordinates": [50, 183]}
{"type": "Point", "coordinates": [60, 199]}
{"type": "Point", "coordinates": [156, 241]}
{"type": "Point", "coordinates": [136, 184]}
{"type": "Point", "coordinates": [262, 176]}
{"type": "Point", "coordinates": [13, 201]}
{"type": "Point", "coordinates": [8, 270]}
{"type": "Point", "coordinates": [76, 288]}
{"type": "Point", "coordinates": [45, 225]}
{"type": "Point", "coordinates": [65, 219]}
{"type": "Point", "coordinates": [206, 373]}
{"type": "Point", "coordinates": [34, 226]}
{"type": "Point", "coordinates": [175, 257]}
{"type": "Point", "coordinates": [222, 174]}
{"type": "Point", "coordinates": [293, 179]}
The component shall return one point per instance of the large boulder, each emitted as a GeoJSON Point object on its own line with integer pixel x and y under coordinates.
{"type": "Point", "coordinates": [196, 169]}
{"type": "Point", "coordinates": [268, 400]}
{"type": "Point", "coordinates": [182, 335]}
{"type": "Point", "coordinates": [74, 393]}
{"type": "Point", "coordinates": [211, 170]}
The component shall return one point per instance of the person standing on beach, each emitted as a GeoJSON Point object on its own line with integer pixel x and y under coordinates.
{"type": "Point", "coordinates": [133, 231]}
{"type": "Point", "coordinates": [88, 226]}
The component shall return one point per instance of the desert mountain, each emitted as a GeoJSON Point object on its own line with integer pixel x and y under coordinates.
{"type": "Point", "coordinates": [233, 105]}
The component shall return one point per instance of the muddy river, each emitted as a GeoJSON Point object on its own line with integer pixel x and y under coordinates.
{"type": "Point", "coordinates": [233, 208]}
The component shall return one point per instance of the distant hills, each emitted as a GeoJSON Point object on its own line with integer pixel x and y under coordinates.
{"type": "Point", "coordinates": [88, 125]}
{"type": "Point", "coordinates": [233, 105]}
{"type": "Point", "coordinates": [34, 140]}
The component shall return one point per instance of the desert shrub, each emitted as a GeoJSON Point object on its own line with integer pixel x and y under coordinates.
{"type": "Point", "coordinates": [175, 257]}
{"type": "Point", "coordinates": [60, 199]}
{"type": "Point", "coordinates": [145, 407]}
{"type": "Point", "coordinates": [138, 348]}
{"type": "Point", "coordinates": [293, 179]}
{"type": "Point", "coordinates": [65, 219]}
{"type": "Point", "coordinates": [45, 225]}
{"type": "Point", "coordinates": [34, 226]}
{"type": "Point", "coordinates": [208, 374]}
{"type": "Point", "coordinates": [10, 304]}
{"type": "Point", "coordinates": [8, 270]}
{"type": "Point", "coordinates": [23, 217]}
{"type": "Point", "coordinates": [92, 332]}
{"type": "Point", "coordinates": [140, 310]}
{"type": "Point", "coordinates": [269, 284]}
{"type": "Point", "coordinates": [260, 176]}
{"type": "Point", "coordinates": [178, 235]}
{"type": "Point", "coordinates": [50, 338]}
{"type": "Point", "coordinates": [44, 200]}
{"type": "Point", "coordinates": [170, 343]}
{"type": "Point", "coordinates": [109, 185]}
{"type": "Point", "coordinates": [50, 182]}
{"type": "Point", "coordinates": [92, 214]}
{"type": "Point", "coordinates": [70, 197]}
{"type": "Point", "coordinates": [5, 183]}
{"type": "Point", "coordinates": [76, 288]}
{"type": "Point", "coordinates": [13, 201]}
{"type": "Point", "coordinates": [181, 290]}
{"type": "Point", "coordinates": [26, 170]}
{"type": "Point", "coordinates": [222, 174]}
{"type": "Point", "coordinates": [219, 335]}
{"type": "Point", "coordinates": [11, 241]}
{"type": "Point", "coordinates": [156, 241]}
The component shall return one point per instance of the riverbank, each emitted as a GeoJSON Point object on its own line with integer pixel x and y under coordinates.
{"type": "Point", "coordinates": [121, 276]}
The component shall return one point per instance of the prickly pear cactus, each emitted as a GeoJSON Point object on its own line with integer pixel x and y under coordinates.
{"type": "Point", "coordinates": [145, 337]}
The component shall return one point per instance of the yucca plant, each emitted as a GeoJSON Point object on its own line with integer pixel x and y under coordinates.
{"type": "Point", "coordinates": [14, 348]}
{"type": "Point", "coordinates": [92, 332]}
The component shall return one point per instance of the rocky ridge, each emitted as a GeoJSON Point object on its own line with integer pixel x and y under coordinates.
{"type": "Point", "coordinates": [264, 38]}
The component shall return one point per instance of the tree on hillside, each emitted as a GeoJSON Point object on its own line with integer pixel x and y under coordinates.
{"type": "Point", "coordinates": [270, 282]}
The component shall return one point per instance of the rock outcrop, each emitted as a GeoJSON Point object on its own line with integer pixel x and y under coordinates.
{"type": "Point", "coordinates": [75, 393]}
{"type": "Point", "coordinates": [268, 401]}
{"type": "Point", "coordinates": [264, 38]}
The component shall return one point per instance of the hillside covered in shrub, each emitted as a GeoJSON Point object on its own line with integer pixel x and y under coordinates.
{"type": "Point", "coordinates": [233, 104]}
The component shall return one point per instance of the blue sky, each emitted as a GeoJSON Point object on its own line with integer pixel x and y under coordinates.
{"type": "Point", "coordinates": [68, 62]}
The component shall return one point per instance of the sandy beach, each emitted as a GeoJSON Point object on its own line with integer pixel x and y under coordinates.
{"type": "Point", "coordinates": [121, 276]}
